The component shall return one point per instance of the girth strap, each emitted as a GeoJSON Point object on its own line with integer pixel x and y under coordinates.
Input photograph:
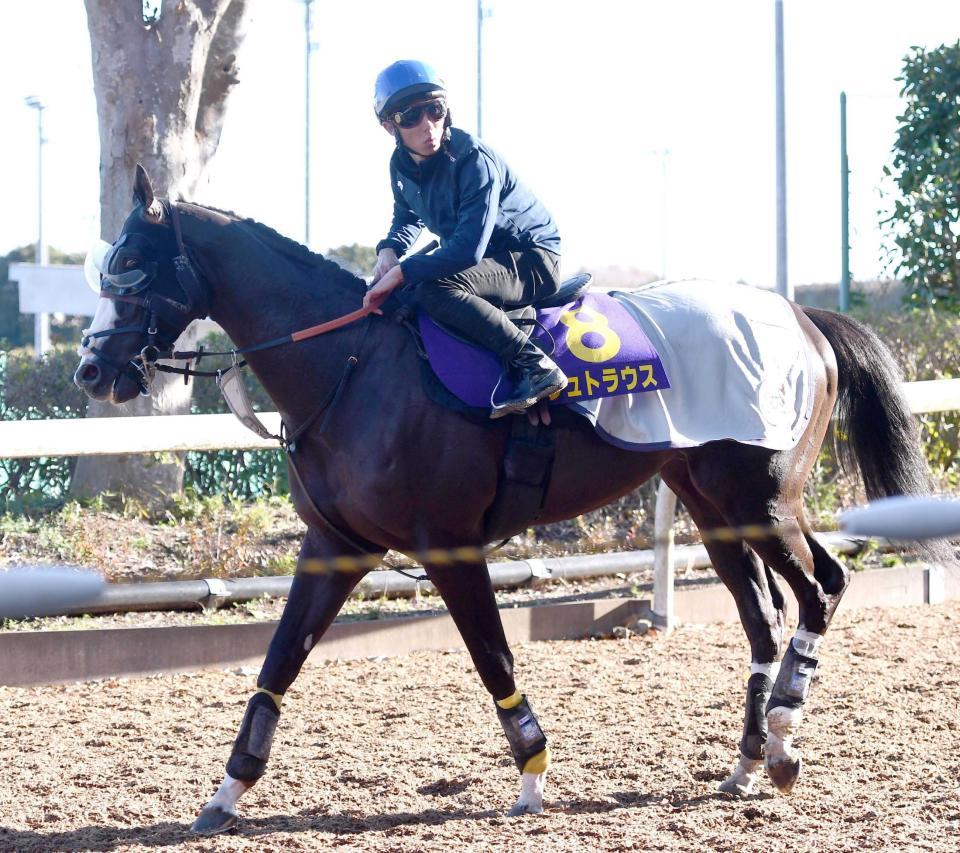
{"type": "Point", "coordinates": [524, 479]}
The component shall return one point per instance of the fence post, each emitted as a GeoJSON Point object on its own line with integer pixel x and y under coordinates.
{"type": "Point", "coordinates": [663, 565]}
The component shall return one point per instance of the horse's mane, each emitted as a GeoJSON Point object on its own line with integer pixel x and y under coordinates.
{"type": "Point", "coordinates": [291, 249]}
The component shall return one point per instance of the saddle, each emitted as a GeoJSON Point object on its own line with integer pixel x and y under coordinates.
{"type": "Point", "coordinates": [596, 343]}
{"type": "Point", "coordinates": [571, 290]}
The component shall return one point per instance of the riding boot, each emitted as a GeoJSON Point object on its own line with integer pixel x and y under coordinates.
{"type": "Point", "coordinates": [535, 376]}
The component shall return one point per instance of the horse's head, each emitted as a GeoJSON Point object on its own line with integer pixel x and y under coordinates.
{"type": "Point", "coordinates": [149, 293]}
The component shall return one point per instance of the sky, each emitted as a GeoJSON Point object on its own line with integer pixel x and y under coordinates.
{"type": "Point", "coordinates": [646, 127]}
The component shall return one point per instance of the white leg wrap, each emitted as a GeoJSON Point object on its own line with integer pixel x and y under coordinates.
{"type": "Point", "coordinates": [807, 643]}
{"type": "Point", "coordinates": [768, 669]}
{"type": "Point", "coordinates": [228, 793]}
{"type": "Point", "coordinates": [530, 800]}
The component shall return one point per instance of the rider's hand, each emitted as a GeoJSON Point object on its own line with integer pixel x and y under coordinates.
{"type": "Point", "coordinates": [388, 282]}
{"type": "Point", "coordinates": [386, 260]}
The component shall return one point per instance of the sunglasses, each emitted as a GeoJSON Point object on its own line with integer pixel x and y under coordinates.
{"type": "Point", "coordinates": [411, 116]}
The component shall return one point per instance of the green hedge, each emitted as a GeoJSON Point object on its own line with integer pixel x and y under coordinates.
{"type": "Point", "coordinates": [44, 389]}
{"type": "Point", "coordinates": [37, 390]}
{"type": "Point", "coordinates": [243, 474]}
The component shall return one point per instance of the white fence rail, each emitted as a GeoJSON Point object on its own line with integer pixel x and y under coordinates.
{"type": "Point", "coordinates": [101, 436]}
{"type": "Point", "coordinates": [937, 395]}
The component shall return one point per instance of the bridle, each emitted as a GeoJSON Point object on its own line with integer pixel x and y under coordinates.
{"type": "Point", "coordinates": [160, 311]}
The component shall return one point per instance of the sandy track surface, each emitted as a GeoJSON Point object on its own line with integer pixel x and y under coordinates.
{"type": "Point", "coordinates": [406, 754]}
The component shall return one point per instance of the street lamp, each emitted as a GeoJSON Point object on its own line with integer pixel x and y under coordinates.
{"type": "Point", "coordinates": [310, 48]}
{"type": "Point", "coordinates": [41, 321]}
{"type": "Point", "coordinates": [481, 14]}
{"type": "Point", "coordinates": [34, 103]}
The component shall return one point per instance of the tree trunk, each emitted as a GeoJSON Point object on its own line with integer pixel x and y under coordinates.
{"type": "Point", "coordinates": [162, 89]}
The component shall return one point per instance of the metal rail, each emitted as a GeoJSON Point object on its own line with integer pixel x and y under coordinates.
{"type": "Point", "coordinates": [936, 395]}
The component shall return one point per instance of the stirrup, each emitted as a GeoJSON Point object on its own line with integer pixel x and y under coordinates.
{"type": "Point", "coordinates": [498, 410]}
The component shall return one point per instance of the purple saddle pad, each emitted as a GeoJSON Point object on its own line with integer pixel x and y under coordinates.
{"type": "Point", "coordinates": [598, 345]}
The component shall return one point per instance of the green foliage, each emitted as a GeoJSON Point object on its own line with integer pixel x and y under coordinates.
{"type": "Point", "coordinates": [33, 390]}
{"type": "Point", "coordinates": [237, 474]}
{"type": "Point", "coordinates": [243, 474]}
{"type": "Point", "coordinates": [16, 329]}
{"type": "Point", "coordinates": [360, 260]}
{"type": "Point", "coordinates": [926, 170]}
{"type": "Point", "coordinates": [36, 390]}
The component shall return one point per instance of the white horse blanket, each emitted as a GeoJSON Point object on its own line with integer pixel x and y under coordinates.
{"type": "Point", "coordinates": [736, 361]}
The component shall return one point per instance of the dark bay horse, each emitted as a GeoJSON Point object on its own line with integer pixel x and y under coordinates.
{"type": "Point", "coordinates": [387, 468]}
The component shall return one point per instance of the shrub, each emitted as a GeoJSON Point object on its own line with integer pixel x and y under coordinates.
{"type": "Point", "coordinates": [926, 169]}
{"type": "Point", "coordinates": [37, 390]}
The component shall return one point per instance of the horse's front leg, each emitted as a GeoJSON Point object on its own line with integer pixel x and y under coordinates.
{"type": "Point", "coordinates": [316, 597]}
{"type": "Point", "coordinates": [468, 594]}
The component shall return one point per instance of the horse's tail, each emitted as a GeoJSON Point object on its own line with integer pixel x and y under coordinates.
{"type": "Point", "coordinates": [878, 434]}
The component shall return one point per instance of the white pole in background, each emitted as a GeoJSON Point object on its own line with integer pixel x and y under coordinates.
{"type": "Point", "coordinates": [480, 68]}
{"type": "Point", "coordinates": [41, 320]}
{"type": "Point", "coordinates": [784, 288]}
{"type": "Point", "coordinates": [306, 140]}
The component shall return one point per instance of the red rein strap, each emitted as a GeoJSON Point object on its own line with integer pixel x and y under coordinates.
{"type": "Point", "coordinates": [345, 320]}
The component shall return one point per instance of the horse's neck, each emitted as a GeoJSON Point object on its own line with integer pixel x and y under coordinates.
{"type": "Point", "coordinates": [258, 295]}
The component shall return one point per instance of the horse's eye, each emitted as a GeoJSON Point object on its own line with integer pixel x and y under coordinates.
{"type": "Point", "coordinates": [130, 263]}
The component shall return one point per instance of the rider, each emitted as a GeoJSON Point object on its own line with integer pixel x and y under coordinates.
{"type": "Point", "coordinates": [500, 246]}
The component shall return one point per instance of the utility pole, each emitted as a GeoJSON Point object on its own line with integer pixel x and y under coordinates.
{"type": "Point", "coordinates": [41, 320]}
{"type": "Point", "coordinates": [784, 288]}
{"type": "Point", "coordinates": [481, 14]}
{"type": "Point", "coordinates": [844, 302]}
{"type": "Point", "coordinates": [309, 49]}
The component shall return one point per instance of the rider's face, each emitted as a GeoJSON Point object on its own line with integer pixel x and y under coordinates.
{"type": "Point", "coordinates": [423, 139]}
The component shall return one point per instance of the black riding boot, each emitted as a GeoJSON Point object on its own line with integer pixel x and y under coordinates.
{"type": "Point", "coordinates": [535, 375]}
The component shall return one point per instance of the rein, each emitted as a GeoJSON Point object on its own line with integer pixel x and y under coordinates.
{"type": "Point", "coordinates": [292, 338]}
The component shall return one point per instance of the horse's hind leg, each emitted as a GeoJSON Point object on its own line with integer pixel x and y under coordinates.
{"type": "Point", "coordinates": [819, 581]}
{"type": "Point", "coordinates": [315, 599]}
{"type": "Point", "coordinates": [468, 594]}
{"type": "Point", "coordinates": [763, 490]}
{"type": "Point", "coordinates": [760, 604]}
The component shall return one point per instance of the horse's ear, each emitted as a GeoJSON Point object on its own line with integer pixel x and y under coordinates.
{"type": "Point", "coordinates": [142, 188]}
{"type": "Point", "coordinates": [143, 194]}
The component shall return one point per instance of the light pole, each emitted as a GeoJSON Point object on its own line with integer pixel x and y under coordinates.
{"type": "Point", "coordinates": [664, 154]}
{"type": "Point", "coordinates": [481, 14]}
{"type": "Point", "coordinates": [784, 288]}
{"type": "Point", "coordinates": [844, 301]}
{"type": "Point", "coordinates": [310, 47]}
{"type": "Point", "coordinates": [41, 321]}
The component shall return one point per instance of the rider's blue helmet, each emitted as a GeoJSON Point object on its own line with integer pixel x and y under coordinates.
{"type": "Point", "coordinates": [403, 80]}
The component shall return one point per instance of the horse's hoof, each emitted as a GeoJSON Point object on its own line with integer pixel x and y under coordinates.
{"type": "Point", "coordinates": [784, 773]}
{"type": "Point", "coordinates": [737, 787]}
{"type": "Point", "coordinates": [524, 808]}
{"type": "Point", "coordinates": [213, 820]}
{"type": "Point", "coordinates": [740, 783]}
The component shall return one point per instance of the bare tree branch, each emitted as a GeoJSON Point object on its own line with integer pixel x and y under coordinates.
{"type": "Point", "coordinates": [220, 76]}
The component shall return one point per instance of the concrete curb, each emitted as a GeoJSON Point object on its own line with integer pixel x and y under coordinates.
{"type": "Point", "coordinates": [50, 657]}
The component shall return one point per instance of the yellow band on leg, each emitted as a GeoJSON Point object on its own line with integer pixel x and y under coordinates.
{"type": "Point", "coordinates": [277, 697]}
{"type": "Point", "coordinates": [511, 701]}
{"type": "Point", "coordinates": [539, 763]}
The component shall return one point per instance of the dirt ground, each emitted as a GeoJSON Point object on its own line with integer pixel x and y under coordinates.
{"type": "Point", "coordinates": [406, 754]}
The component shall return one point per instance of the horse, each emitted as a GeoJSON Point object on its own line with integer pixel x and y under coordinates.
{"type": "Point", "coordinates": [376, 465]}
